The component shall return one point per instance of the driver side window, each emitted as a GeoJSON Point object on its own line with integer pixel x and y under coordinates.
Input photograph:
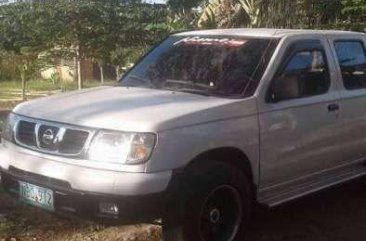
{"type": "Point", "coordinates": [304, 74]}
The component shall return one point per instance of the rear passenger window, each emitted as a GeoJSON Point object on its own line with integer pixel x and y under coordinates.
{"type": "Point", "coordinates": [305, 74]}
{"type": "Point", "coordinates": [352, 61]}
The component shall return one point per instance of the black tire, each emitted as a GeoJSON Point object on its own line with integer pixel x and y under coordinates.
{"type": "Point", "coordinates": [213, 205]}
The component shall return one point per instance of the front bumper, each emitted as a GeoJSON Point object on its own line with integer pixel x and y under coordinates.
{"type": "Point", "coordinates": [83, 178]}
{"type": "Point", "coordinates": [79, 190]}
{"type": "Point", "coordinates": [87, 205]}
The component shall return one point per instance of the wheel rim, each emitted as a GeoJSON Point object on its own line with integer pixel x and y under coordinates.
{"type": "Point", "coordinates": [221, 215]}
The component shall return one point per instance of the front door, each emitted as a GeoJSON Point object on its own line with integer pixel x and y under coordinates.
{"type": "Point", "coordinates": [300, 122]}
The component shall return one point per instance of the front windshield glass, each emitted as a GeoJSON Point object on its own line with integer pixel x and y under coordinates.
{"type": "Point", "coordinates": [224, 66]}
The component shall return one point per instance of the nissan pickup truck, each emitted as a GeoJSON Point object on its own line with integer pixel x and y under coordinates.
{"type": "Point", "coordinates": [203, 126]}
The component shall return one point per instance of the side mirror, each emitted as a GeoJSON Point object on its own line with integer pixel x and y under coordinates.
{"type": "Point", "coordinates": [272, 96]}
{"type": "Point", "coordinates": [284, 88]}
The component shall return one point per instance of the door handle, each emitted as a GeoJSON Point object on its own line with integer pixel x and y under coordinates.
{"type": "Point", "coordinates": [333, 107]}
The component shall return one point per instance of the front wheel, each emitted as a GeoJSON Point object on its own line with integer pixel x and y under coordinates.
{"type": "Point", "coordinates": [214, 205]}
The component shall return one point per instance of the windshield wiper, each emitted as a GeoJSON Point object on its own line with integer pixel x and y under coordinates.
{"type": "Point", "coordinates": [193, 91]}
{"type": "Point", "coordinates": [143, 81]}
{"type": "Point", "coordinates": [188, 84]}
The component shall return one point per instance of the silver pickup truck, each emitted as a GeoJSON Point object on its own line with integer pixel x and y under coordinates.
{"type": "Point", "coordinates": [204, 125]}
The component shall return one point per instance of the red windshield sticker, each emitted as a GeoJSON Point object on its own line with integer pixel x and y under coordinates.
{"type": "Point", "coordinates": [211, 41]}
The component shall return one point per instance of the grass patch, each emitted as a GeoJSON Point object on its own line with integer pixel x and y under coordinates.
{"type": "Point", "coordinates": [9, 85]}
{"type": "Point", "coordinates": [10, 91]}
{"type": "Point", "coordinates": [47, 85]}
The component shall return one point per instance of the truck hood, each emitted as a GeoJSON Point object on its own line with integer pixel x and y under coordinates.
{"type": "Point", "coordinates": [134, 109]}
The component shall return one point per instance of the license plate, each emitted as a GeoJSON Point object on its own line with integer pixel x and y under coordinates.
{"type": "Point", "coordinates": [36, 196]}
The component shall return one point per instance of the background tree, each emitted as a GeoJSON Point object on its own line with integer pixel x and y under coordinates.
{"type": "Point", "coordinates": [354, 14]}
{"type": "Point", "coordinates": [183, 14]}
{"type": "Point", "coordinates": [79, 18]}
{"type": "Point", "coordinates": [117, 32]}
{"type": "Point", "coordinates": [23, 38]}
{"type": "Point", "coordinates": [134, 28]}
{"type": "Point", "coordinates": [315, 14]}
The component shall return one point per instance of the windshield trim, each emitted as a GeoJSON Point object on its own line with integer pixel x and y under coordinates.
{"type": "Point", "coordinates": [234, 97]}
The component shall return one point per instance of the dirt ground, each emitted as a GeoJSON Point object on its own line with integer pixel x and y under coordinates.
{"type": "Point", "coordinates": [21, 222]}
{"type": "Point", "coordinates": [337, 214]}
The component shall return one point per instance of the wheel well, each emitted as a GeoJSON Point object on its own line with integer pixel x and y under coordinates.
{"type": "Point", "coordinates": [230, 155]}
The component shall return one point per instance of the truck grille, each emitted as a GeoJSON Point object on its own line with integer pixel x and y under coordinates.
{"type": "Point", "coordinates": [25, 133]}
{"type": "Point", "coordinates": [73, 141]}
{"type": "Point", "coordinates": [51, 138]}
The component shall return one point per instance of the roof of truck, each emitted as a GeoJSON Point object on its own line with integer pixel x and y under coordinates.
{"type": "Point", "coordinates": [263, 32]}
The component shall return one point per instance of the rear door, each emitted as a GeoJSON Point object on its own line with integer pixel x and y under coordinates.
{"type": "Point", "coordinates": [299, 118]}
{"type": "Point", "coordinates": [350, 54]}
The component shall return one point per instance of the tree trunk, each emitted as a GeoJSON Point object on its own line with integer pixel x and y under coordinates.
{"type": "Point", "coordinates": [117, 72]}
{"type": "Point", "coordinates": [101, 75]}
{"type": "Point", "coordinates": [78, 69]}
{"type": "Point", "coordinates": [22, 76]}
{"type": "Point", "coordinates": [80, 83]}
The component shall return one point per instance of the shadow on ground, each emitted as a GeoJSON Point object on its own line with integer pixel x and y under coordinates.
{"type": "Point", "coordinates": [336, 214]}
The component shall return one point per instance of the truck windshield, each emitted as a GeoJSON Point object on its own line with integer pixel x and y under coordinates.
{"type": "Point", "coordinates": [206, 65]}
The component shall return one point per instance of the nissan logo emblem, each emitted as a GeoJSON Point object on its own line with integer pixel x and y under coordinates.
{"type": "Point", "coordinates": [48, 136]}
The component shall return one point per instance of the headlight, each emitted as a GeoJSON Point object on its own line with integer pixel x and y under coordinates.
{"type": "Point", "coordinates": [123, 148]}
{"type": "Point", "coordinates": [7, 132]}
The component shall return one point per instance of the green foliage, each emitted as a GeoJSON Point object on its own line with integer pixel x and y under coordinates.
{"type": "Point", "coordinates": [355, 7]}
{"type": "Point", "coordinates": [24, 38]}
{"type": "Point", "coordinates": [341, 14]}
{"type": "Point", "coordinates": [208, 18]}
{"type": "Point", "coordinates": [183, 14]}
{"type": "Point", "coordinates": [237, 13]}
{"type": "Point", "coordinates": [184, 5]}
{"type": "Point", "coordinates": [116, 32]}
{"type": "Point", "coordinates": [134, 28]}
{"type": "Point", "coordinates": [34, 35]}
{"type": "Point", "coordinates": [100, 29]}
{"type": "Point", "coordinates": [354, 15]}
